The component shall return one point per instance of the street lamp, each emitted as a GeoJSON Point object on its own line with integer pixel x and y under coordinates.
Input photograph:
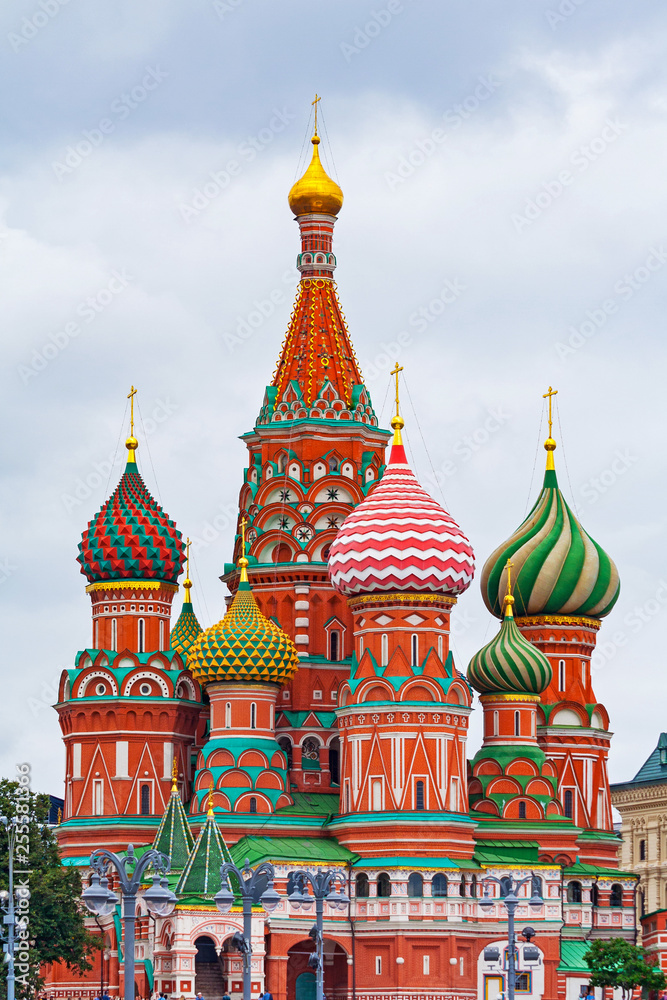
{"type": "Point", "coordinates": [249, 880]}
{"type": "Point", "coordinates": [101, 901]}
{"type": "Point", "coordinates": [9, 902]}
{"type": "Point", "coordinates": [323, 884]}
{"type": "Point", "coordinates": [511, 901]}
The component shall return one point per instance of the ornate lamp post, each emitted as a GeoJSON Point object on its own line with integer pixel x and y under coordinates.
{"type": "Point", "coordinates": [323, 884]}
{"type": "Point", "coordinates": [249, 881]}
{"type": "Point", "coordinates": [9, 899]}
{"type": "Point", "coordinates": [100, 900]}
{"type": "Point", "coordinates": [511, 901]}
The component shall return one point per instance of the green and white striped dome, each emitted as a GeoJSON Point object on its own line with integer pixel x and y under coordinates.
{"type": "Point", "coordinates": [509, 664]}
{"type": "Point", "coordinates": [557, 567]}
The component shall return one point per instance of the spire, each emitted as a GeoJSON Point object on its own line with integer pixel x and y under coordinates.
{"type": "Point", "coordinates": [550, 444]}
{"type": "Point", "coordinates": [187, 583]}
{"type": "Point", "coordinates": [508, 600]}
{"type": "Point", "coordinates": [315, 192]}
{"type": "Point", "coordinates": [131, 443]}
{"type": "Point", "coordinates": [397, 425]}
{"type": "Point", "coordinates": [243, 562]}
{"type": "Point", "coordinates": [174, 836]}
{"type": "Point", "coordinates": [201, 875]}
{"type": "Point", "coordinates": [187, 629]}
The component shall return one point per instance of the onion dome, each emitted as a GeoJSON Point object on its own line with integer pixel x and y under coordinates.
{"type": "Point", "coordinates": [315, 192]}
{"type": "Point", "coordinates": [400, 539]}
{"type": "Point", "coordinates": [559, 569]}
{"type": "Point", "coordinates": [131, 538]}
{"type": "Point", "coordinates": [509, 664]}
{"type": "Point", "coordinates": [244, 646]}
{"type": "Point", "coordinates": [187, 628]}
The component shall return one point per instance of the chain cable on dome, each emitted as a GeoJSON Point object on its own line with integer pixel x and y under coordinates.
{"type": "Point", "coordinates": [328, 149]}
{"type": "Point", "coordinates": [537, 448]}
{"type": "Point", "coordinates": [115, 454]}
{"type": "Point", "coordinates": [201, 589]}
{"type": "Point", "coordinates": [150, 457]}
{"type": "Point", "coordinates": [428, 454]}
{"type": "Point", "coordinates": [567, 471]}
{"type": "Point", "coordinates": [299, 168]}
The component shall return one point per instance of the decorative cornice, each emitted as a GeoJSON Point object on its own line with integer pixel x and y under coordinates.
{"type": "Point", "coordinates": [562, 620]}
{"type": "Point", "coordinates": [132, 585]}
{"type": "Point", "coordinates": [502, 696]}
{"type": "Point", "coordinates": [384, 599]}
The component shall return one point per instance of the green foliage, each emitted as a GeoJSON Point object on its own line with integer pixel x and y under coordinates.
{"type": "Point", "coordinates": [618, 963]}
{"type": "Point", "coordinates": [56, 928]}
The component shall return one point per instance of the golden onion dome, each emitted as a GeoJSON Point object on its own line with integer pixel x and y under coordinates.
{"type": "Point", "coordinates": [315, 192]}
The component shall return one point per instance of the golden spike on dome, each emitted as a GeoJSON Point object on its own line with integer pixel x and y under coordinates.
{"type": "Point", "coordinates": [315, 192]}
{"type": "Point", "coordinates": [243, 562]}
{"type": "Point", "coordinates": [209, 808]}
{"type": "Point", "coordinates": [397, 421]}
{"type": "Point", "coordinates": [187, 583]}
{"type": "Point", "coordinates": [131, 444]}
{"type": "Point", "coordinates": [508, 600]}
{"type": "Point", "coordinates": [550, 444]}
{"type": "Point", "coordinates": [174, 777]}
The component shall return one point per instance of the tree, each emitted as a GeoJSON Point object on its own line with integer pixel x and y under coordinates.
{"type": "Point", "coordinates": [55, 918]}
{"type": "Point", "coordinates": [622, 965]}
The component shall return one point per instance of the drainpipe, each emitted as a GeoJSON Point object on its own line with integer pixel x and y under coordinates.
{"type": "Point", "coordinates": [351, 920]}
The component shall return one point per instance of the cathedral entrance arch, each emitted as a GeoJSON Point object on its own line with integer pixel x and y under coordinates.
{"type": "Point", "coordinates": [301, 978]}
{"type": "Point", "coordinates": [208, 971]}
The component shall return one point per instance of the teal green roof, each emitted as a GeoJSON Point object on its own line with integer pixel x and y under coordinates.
{"type": "Point", "coordinates": [507, 851]}
{"type": "Point", "coordinates": [174, 836]}
{"type": "Point", "coordinates": [299, 849]}
{"type": "Point", "coordinates": [297, 719]}
{"type": "Point", "coordinates": [201, 876]}
{"type": "Point", "coordinates": [583, 869]}
{"type": "Point", "coordinates": [411, 863]}
{"type": "Point", "coordinates": [312, 804]}
{"type": "Point", "coordinates": [654, 769]}
{"type": "Point", "coordinates": [572, 956]}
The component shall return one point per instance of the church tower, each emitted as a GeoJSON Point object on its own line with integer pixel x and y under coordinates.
{"type": "Point", "coordinates": [315, 451]}
{"type": "Point", "coordinates": [565, 584]}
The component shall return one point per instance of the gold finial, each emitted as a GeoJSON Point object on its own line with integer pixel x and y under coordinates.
{"type": "Point", "coordinates": [397, 421]}
{"type": "Point", "coordinates": [508, 600]}
{"type": "Point", "coordinates": [131, 444]}
{"type": "Point", "coordinates": [174, 777]}
{"type": "Point", "coordinates": [187, 583]}
{"type": "Point", "coordinates": [60, 815]}
{"type": "Point", "coordinates": [550, 444]}
{"type": "Point", "coordinates": [243, 562]}
{"type": "Point", "coordinates": [209, 809]}
{"type": "Point", "coordinates": [315, 103]}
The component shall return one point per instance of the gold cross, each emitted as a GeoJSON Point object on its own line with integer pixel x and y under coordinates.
{"type": "Point", "coordinates": [395, 372]}
{"type": "Point", "coordinates": [509, 576]}
{"type": "Point", "coordinates": [188, 543]}
{"type": "Point", "coordinates": [174, 775]}
{"type": "Point", "coordinates": [244, 521]}
{"type": "Point", "coordinates": [131, 394]}
{"type": "Point", "coordinates": [315, 103]}
{"type": "Point", "coordinates": [549, 394]}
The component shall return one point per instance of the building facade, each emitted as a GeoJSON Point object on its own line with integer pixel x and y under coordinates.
{"type": "Point", "coordinates": [323, 722]}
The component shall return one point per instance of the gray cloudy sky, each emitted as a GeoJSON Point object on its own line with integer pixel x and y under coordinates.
{"type": "Point", "coordinates": [503, 230]}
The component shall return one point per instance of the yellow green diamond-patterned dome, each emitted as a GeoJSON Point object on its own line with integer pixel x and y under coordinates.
{"type": "Point", "coordinates": [244, 646]}
{"type": "Point", "coordinates": [187, 629]}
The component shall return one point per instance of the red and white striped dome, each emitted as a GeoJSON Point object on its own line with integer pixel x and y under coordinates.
{"type": "Point", "coordinates": [400, 539]}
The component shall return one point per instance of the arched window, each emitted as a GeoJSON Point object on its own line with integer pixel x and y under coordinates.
{"type": "Point", "coordinates": [517, 723]}
{"type": "Point", "coordinates": [142, 635]}
{"type": "Point", "coordinates": [537, 886]}
{"type": "Point", "coordinates": [473, 887]}
{"type": "Point", "coordinates": [362, 886]}
{"type": "Point", "coordinates": [642, 904]}
{"type": "Point", "coordinates": [332, 462]}
{"type": "Point", "coordinates": [522, 810]}
{"type": "Point", "coordinates": [96, 636]}
{"type": "Point", "coordinates": [347, 798]}
{"type": "Point", "coordinates": [574, 892]}
{"type": "Point", "coordinates": [228, 715]}
{"type": "Point", "coordinates": [568, 803]}
{"type": "Point", "coordinates": [253, 804]}
{"type": "Point", "coordinates": [496, 723]}
{"type": "Point", "coordinates": [285, 745]}
{"type": "Point", "coordinates": [583, 672]}
{"type": "Point", "coordinates": [595, 894]}
{"type": "Point", "coordinates": [561, 675]}
{"type": "Point", "coordinates": [383, 885]}
{"type": "Point", "coordinates": [642, 850]}
{"type": "Point", "coordinates": [114, 634]}
{"type": "Point", "coordinates": [440, 646]}
{"type": "Point", "coordinates": [361, 646]}
{"type": "Point", "coordinates": [415, 884]}
{"type": "Point", "coordinates": [253, 715]}
{"type": "Point", "coordinates": [145, 800]}
{"type": "Point", "coordinates": [419, 795]}
{"type": "Point", "coordinates": [384, 649]}
{"type": "Point", "coordinates": [310, 754]}
{"type": "Point", "coordinates": [616, 895]}
{"type": "Point", "coordinates": [334, 645]}
{"type": "Point", "coordinates": [334, 758]}
{"type": "Point", "coordinates": [414, 651]}
{"type": "Point", "coordinates": [439, 885]}
{"type": "Point", "coordinates": [462, 887]}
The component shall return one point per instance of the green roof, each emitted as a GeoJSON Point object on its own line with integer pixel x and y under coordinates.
{"type": "Point", "coordinates": [507, 851]}
{"type": "Point", "coordinates": [201, 876]}
{"type": "Point", "coordinates": [175, 836]}
{"type": "Point", "coordinates": [572, 956]}
{"type": "Point", "coordinates": [583, 869]}
{"type": "Point", "coordinates": [312, 804]}
{"type": "Point", "coordinates": [297, 719]}
{"type": "Point", "coordinates": [299, 849]}
{"type": "Point", "coordinates": [652, 770]}
{"type": "Point", "coordinates": [410, 863]}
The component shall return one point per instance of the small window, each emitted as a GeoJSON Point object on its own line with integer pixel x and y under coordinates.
{"type": "Point", "coordinates": [253, 805]}
{"type": "Point", "coordinates": [101, 689]}
{"type": "Point", "coordinates": [616, 895]}
{"type": "Point", "coordinates": [253, 716]}
{"type": "Point", "coordinates": [334, 645]}
{"type": "Point", "coordinates": [228, 715]}
{"type": "Point", "coordinates": [522, 983]}
{"type": "Point", "coordinates": [361, 647]}
{"type": "Point", "coordinates": [415, 884]}
{"type": "Point", "coordinates": [145, 689]}
{"type": "Point", "coordinates": [583, 672]}
{"type": "Point", "coordinates": [362, 886]}
{"type": "Point", "coordinates": [496, 723]}
{"type": "Point", "coordinates": [142, 635]}
{"type": "Point", "coordinates": [517, 723]}
{"type": "Point", "coordinates": [285, 745]}
{"type": "Point", "coordinates": [376, 794]}
{"type": "Point", "coordinates": [574, 892]}
{"type": "Point", "coordinates": [642, 850]}
{"type": "Point", "coordinates": [145, 800]}
{"type": "Point", "coordinates": [414, 650]}
{"type": "Point", "coordinates": [161, 634]}
{"type": "Point", "coordinates": [378, 965]}
{"type": "Point", "coordinates": [419, 795]}
{"type": "Point", "coordinates": [114, 635]}
{"type": "Point", "coordinates": [383, 885]}
{"type": "Point", "coordinates": [561, 675]}
{"type": "Point", "coordinates": [568, 803]}
{"type": "Point", "coordinates": [522, 810]}
{"type": "Point", "coordinates": [462, 887]}
{"type": "Point", "coordinates": [473, 887]}
{"type": "Point", "coordinates": [440, 646]}
{"type": "Point", "coordinates": [384, 649]}
{"type": "Point", "coordinates": [595, 894]}
{"type": "Point", "coordinates": [426, 964]}
{"type": "Point", "coordinates": [439, 885]}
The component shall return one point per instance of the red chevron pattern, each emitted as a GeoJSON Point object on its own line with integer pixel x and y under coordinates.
{"type": "Point", "coordinates": [400, 539]}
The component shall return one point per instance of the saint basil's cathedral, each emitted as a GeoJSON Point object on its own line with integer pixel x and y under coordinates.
{"type": "Point", "coordinates": [323, 722]}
